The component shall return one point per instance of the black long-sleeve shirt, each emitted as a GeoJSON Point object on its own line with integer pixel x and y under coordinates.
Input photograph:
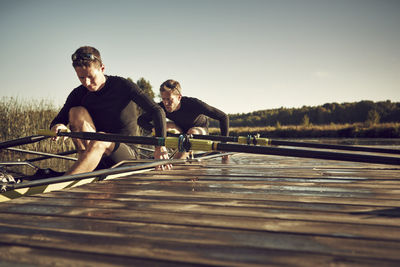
{"type": "Point", "coordinates": [111, 108]}
{"type": "Point", "coordinates": [192, 113]}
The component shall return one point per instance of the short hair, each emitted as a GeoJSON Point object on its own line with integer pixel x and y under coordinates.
{"type": "Point", "coordinates": [171, 86]}
{"type": "Point", "coordinates": [85, 56]}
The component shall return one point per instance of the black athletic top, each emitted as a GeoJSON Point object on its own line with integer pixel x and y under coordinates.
{"type": "Point", "coordinates": [192, 113]}
{"type": "Point", "coordinates": [112, 109]}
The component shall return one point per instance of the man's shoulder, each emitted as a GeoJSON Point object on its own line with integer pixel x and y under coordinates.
{"type": "Point", "coordinates": [117, 82]}
{"type": "Point", "coordinates": [78, 90]}
{"type": "Point", "coordinates": [189, 99]}
{"type": "Point", "coordinates": [119, 79]}
{"type": "Point", "coordinates": [116, 79]}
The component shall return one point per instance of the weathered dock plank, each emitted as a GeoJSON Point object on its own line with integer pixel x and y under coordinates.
{"type": "Point", "coordinates": [255, 211]}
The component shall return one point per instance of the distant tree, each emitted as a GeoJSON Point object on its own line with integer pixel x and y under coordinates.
{"type": "Point", "coordinates": [305, 121]}
{"type": "Point", "coordinates": [146, 87]}
{"type": "Point", "coordinates": [320, 115]}
{"type": "Point", "coordinates": [363, 111]}
{"type": "Point", "coordinates": [373, 117]}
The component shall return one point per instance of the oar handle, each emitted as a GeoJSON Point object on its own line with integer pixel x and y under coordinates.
{"type": "Point", "coordinates": [50, 133]}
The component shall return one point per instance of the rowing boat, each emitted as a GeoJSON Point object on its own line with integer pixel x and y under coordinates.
{"type": "Point", "coordinates": [18, 187]}
{"type": "Point", "coordinates": [12, 188]}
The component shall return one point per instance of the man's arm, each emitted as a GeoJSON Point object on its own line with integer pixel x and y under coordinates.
{"type": "Point", "coordinates": [145, 121]}
{"type": "Point", "coordinates": [223, 118]}
{"type": "Point", "coordinates": [216, 114]}
{"type": "Point", "coordinates": [62, 116]}
{"type": "Point", "coordinates": [73, 100]}
{"type": "Point", "coordinates": [150, 108]}
{"type": "Point", "coordinates": [158, 117]}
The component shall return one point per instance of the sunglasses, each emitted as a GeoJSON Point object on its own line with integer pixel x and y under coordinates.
{"type": "Point", "coordinates": [84, 56]}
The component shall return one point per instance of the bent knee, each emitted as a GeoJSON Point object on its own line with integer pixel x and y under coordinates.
{"type": "Point", "coordinates": [101, 147]}
{"type": "Point", "coordinates": [78, 112]}
{"type": "Point", "coordinates": [80, 119]}
{"type": "Point", "coordinates": [77, 115]}
{"type": "Point", "coordinates": [197, 130]}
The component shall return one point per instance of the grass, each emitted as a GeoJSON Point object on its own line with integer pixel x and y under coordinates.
{"type": "Point", "coordinates": [23, 117]}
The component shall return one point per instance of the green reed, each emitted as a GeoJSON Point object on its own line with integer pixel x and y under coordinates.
{"type": "Point", "coordinates": [24, 117]}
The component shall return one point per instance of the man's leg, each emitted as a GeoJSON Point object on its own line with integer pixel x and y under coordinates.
{"type": "Point", "coordinates": [197, 130]}
{"type": "Point", "coordinates": [173, 128]}
{"type": "Point", "coordinates": [90, 152]}
{"type": "Point", "coordinates": [80, 121]}
{"type": "Point", "coordinates": [204, 131]}
{"type": "Point", "coordinates": [90, 158]}
{"type": "Point", "coordinates": [121, 152]}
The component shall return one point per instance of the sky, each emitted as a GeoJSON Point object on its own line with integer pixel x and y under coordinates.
{"type": "Point", "coordinates": [239, 56]}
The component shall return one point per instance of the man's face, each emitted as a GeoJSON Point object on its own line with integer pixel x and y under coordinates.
{"type": "Point", "coordinates": [91, 77]}
{"type": "Point", "coordinates": [171, 101]}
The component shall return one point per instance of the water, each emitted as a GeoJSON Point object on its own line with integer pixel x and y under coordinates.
{"type": "Point", "coordinates": [379, 142]}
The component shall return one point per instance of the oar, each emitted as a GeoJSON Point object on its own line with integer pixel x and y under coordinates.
{"type": "Point", "coordinates": [253, 140]}
{"type": "Point", "coordinates": [22, 141]}
{"type": "Point", "coordinates": [302, 153]}
{"type": "Point", "coordinates": [45, 155]}
{"type": "Point", "coordinates": [144, 140]}
{"type": "Point", "coordinates": [185, 144]}
{"type": "Point", "coordinates": [98, 173]}
{"type": "Point", "coordinates": [52, 155]}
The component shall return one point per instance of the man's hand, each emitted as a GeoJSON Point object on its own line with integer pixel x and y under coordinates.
{"type": "Point", "coordinates": [59, 127]}
{"type": "Point", "coordinates": [225, 159]}
{"type": "Point", "coordinates": [160, 152]}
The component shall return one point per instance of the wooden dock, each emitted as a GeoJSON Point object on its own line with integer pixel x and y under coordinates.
{"type": "Point", "coordinates": [254, 211]}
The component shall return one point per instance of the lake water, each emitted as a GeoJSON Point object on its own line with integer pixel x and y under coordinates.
{"type": "Point", "coordinates": [382, 142]}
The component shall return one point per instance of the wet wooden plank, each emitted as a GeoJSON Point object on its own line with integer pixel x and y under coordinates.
{"type": "Point", "coordinates": [151, 237]}
{"type": "Point", "coordinates": [274, 220]}
{"type": "Point", "coordinates": [254, 211]}
{"type": "Point", "coordinates": [78, 206]}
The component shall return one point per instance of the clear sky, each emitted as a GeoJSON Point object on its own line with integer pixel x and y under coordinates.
{"type": "Point", "coordinates": [237, 55]}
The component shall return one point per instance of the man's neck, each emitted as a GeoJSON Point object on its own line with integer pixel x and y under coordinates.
{"type": "Point", "coordinates": [103, 82]}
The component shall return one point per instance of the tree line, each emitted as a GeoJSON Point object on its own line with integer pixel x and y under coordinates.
{"type": "Point", "coordinates": [356, 112]}
{"type": "Point", "coordinates": [365, 111]}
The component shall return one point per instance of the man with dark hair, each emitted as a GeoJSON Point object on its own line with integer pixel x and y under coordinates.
{"type": "Point", "coordinates": [104, 103]}
{"type": "Point", "coordinates": [188, 115]}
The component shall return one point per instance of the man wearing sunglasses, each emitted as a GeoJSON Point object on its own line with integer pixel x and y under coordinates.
{"type": "Point", "coordinates": [187, 115]}
{"type": "Point", "coordinates": [104, 103]}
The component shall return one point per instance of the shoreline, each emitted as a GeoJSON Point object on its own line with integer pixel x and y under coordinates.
{"type": "Point", "coordinates": [357, 130]}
